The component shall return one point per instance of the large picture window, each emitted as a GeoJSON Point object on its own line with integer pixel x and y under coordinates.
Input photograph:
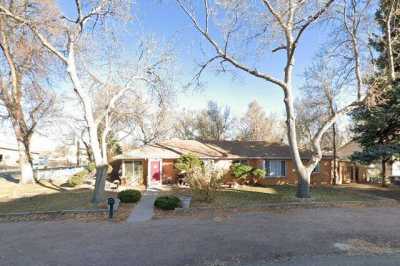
{"type": "Point", "coordinates": [134, 170]}
{"type": "Point", "coordinates": [275, 168]}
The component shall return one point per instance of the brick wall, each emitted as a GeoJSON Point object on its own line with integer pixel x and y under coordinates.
{"type": "Point", "coordinates": [169, 173]}
{"type": "Point", "coordinates": [323, 177]}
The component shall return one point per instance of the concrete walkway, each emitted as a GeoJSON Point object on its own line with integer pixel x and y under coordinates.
{"type": "Point", "coordinates": [144, 210]}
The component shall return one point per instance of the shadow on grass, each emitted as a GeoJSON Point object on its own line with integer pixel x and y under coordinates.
{"type": "Point", "coordinates": [10, 176]}
{"type": "Point", "coordinates": [391, 192]}
{"type": "Point", "coordinates": [52, 185]}
{"type": "Point", "coordinates": [247, 196]}
{"type": "Point", "coordinates": [61, 200]}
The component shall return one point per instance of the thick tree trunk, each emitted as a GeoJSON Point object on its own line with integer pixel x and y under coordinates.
{"type": "Point", "coordinates": [101, 175]}
{"type": "Point", "coordinates": [304, 176]}
{"type": "Point", "coordinates": [23, 142]}
{"type": "Point", "coordinates": [25, 165]}
{"type": "Point", "coordinates": [101, 165]}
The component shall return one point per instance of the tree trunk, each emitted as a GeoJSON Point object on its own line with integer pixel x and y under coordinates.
{"type": "Point", "coordinates": [78, 153]}
{"type": "Point", "coordinates": [104, 147]}
{"type": "Point", "coordinates": [388, 33]}
{"type": "Point", "coordinates": [101, 166]}
{"type": "Point", "coordinates": [304, 176]}
{"type": "Point", "coordinates": [335, 180]}
{"type": "Point", "coordinates": [25, 165]}
{"type": "Point", "coordinates": [101, 175]}
{"type": "Point", "coordinates": [23, 142]}
{"type": "Point", "coordinates": [384, 184]}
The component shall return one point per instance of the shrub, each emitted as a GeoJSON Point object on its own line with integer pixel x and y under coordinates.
{"type": "Point", "coordinates": [91, 167]}
{"type": "Point", "coordinates": [241, 170]}
{"type": "Point", "coordinates": [129, 196]}
{"type": "Point", "coordinates": [78, 178]}
{"type": "Point", "coordinates": [259, 172]}
{"type": "Point", "coordinates": [204, 182]}
{"type": "Point", "coordinates": [188, 163]}
{"type": "Point", "coordinates": [247, 173]}
{"type": "Point", "coordinates": [203, 178]}
{"type": "Point", "coordinates": [167, 202]}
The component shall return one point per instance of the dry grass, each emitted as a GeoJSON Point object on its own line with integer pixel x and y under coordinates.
{"type": "Point", "coordinates": [44, 196]}
{"type": "Point", "coordinates": [248, 196]}
{"type": "Point", "coordinates": [392, 191]}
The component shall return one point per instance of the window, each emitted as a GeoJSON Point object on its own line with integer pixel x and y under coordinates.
{"type": "Point", "coordinates": [317, 169]}
{"type": "Point", "coordinates": [241, 162]}
{"type": "Point", "coordinates": [134, 170]}
{"type": "Point", "coordinates": [275, 168]}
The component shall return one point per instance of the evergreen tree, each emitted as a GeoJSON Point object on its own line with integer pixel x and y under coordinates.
{"type": "Point", "coordinates": [377, 125]}
{"type": "Point", "coordinates": [377, 129]}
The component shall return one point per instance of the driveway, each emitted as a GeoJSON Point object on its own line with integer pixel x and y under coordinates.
{"type": "Point", "coordinates": [295, 237]}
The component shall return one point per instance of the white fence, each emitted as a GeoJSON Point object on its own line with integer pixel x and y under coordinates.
{"type": "Point", "coordinates": [56, 174]}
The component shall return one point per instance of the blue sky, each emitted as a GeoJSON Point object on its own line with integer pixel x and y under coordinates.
{"type": "Point", "coordinates": [165, 21]}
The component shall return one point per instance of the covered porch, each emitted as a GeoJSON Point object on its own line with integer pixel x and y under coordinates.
{"type": "Point", "coordinates": [149, 166]}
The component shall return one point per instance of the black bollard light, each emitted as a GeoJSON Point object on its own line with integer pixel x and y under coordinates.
{"type": "Point", "coordinates": [111, 202]}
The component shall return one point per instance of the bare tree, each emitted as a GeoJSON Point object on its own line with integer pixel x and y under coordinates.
{"type": "Point", "coordinates": [256, 125]}
{"type": "Point", "coordinates": [66, 46]}
{"type": "Point", "coordinates": [25, 99]}
{"type": "Point", "coordinates": [262, 23]}
{"type": "Point", "coordinates": [185, 125]}
{"type": "Point", "coordinates": [135, 98]}
{"type": "Point", "coordinates": [322, 88]}
{"type": "Point", "coordinates": [214, 123]}
{"type": "Point", "coordinates": [392, 14]}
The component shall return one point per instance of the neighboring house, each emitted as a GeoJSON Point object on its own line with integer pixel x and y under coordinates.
{"type": "Point", "coordinates": [395, 169]}
{"type": "Point", "coordinates": [355, 172]}
{"type": "Point", "coordinates": [350, 171]}
{"type": "Point", "coordinates": [9, 156]}
{"type": "Point", "coordinates": [153, 164]}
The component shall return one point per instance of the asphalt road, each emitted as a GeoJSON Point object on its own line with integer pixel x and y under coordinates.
{"type": "Point", "coordinates": [335, 236]}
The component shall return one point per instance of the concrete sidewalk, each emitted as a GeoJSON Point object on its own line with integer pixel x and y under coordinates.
{"type": "Point", "coordinates": [144, 210]}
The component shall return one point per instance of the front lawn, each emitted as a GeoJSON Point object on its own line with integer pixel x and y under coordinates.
{"type": "Point", "coordinates": [57, 201]}
{"type": "Point", "coordinates": [247, 196]}
{"type": "Point", "coordinates": [44, 196]}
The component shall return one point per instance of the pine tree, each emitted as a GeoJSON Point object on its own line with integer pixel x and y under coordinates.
{"type": "Point", "coordinates": [377, 129]}
{"type": "Point", "coordinates": [377, 125]}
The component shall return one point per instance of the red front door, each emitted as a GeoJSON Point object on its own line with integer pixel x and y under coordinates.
{"type": "Point", "coordinates": [155, 171]}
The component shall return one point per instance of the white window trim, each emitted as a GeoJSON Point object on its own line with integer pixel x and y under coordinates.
{"type": "Point", "coordinates": [275, 176]}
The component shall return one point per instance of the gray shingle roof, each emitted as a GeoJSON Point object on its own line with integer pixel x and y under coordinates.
{"type": "Point", "coordinates": [171, 149]}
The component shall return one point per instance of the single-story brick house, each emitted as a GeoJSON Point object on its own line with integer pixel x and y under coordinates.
{"type": "Point", "coordinates": [153, 164]}
{"type": "Point", "coordinates": [355, 172]}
